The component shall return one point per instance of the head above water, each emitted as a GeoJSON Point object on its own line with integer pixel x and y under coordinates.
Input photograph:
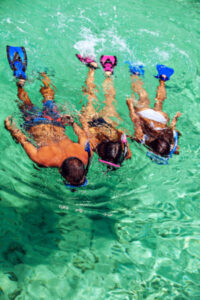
{"type": "Point", "coordinates": [73, 170]}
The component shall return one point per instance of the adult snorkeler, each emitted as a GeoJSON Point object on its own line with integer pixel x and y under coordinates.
{"type": "Point", "coordinates": [47, 127]}
{"type": "Point", "coordinates": [105, 139]}
{"type": "Point", "coordinates": [151, 125]}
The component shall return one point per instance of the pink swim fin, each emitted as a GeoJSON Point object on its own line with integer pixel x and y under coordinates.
{"type": "Point", "coordinates": [108, 63]}
{"type": "Point", "coordinates": [87, 61]}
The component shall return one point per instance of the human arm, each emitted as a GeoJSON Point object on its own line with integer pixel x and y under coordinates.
{"type": "Point", "coordinates": [21, 138]}
{"type": "Point", "coordinates": [84, 123]}
{"type": "Point", "coordinates": [129, 153]}
{"type": "Point", "coordinates": [174, 120]}
{"type": "Point", "coordinates": [66, 119]}
{"type": "Point", "coordinates": [135, 119]}
{"type": "Point", "coordinates": [82, 137]}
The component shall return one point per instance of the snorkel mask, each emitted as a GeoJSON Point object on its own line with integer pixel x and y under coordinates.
{"type": "Point", "coordinates": [73, 187]}
{"type": "Point", "coordinates": [164, 160]}
{"type": "Point", "coordinates": [123, 141]}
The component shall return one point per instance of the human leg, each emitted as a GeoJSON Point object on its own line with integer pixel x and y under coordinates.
{"type": "Point", "coordinates": [46, 90]}
{"type": "Point", "coordinates": [29, 112]}
{"type": "Point", "coordinates": [22, 94]}
{"type": "Point", "coordinates": [161, 95]}
{"type": "Point", "coordinates": [17, 59]}
{"type": "Point", "coordinates": [89, 90]}
{"type": "Point", "coordinates": [164, 74]}
{"type": "Point", "coordinates": [109, 92]}
{"type": "Point", "coordinates": [137, 87]}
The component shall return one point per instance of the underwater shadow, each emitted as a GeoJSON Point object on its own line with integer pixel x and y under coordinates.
{"type": "Point", "coordinates": [28, 235]}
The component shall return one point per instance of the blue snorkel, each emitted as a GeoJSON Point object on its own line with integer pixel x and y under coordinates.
{"type": "Point", "coordinates": [164, 160]}
{"type": "Point", "coordinates": [74, 187]}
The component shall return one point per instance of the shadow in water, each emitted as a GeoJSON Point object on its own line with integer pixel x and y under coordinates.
{"type": "Point", "coordinates": [28, 235]}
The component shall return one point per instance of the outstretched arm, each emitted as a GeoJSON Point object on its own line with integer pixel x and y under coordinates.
{"type": "Point", "coordinates": [82, 137]}
{"type": "Point", "coordinates": [135, 119]}
{"type": "Point", "coordinates": [21, 138]}
{"type": "Point", "coordinates": [174, 120]}
{"type": "Point", "coordinates": [129, 153]}
{"type": "Point", "coordinates": [84, 123]}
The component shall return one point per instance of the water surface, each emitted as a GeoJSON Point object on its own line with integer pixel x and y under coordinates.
{"type": "Point", "coordinates": [132, 234]}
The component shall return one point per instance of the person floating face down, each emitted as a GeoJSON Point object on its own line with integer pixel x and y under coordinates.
{"type": "Point", "coordinates": [47, 127]}
{"type": "Point", "coordinates": [151, 125]}
{"type": "Point", "coordinates": [105, 139]}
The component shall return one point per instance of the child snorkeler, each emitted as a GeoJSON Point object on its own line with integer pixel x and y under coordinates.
{"type": "Point", "coordinates": [151, 125]}
{"type": "Point", "coordinates": [105, 139]}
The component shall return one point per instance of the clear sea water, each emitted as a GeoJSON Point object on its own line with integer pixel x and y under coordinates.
{"type": "Point", "coordinates": [134, 233]}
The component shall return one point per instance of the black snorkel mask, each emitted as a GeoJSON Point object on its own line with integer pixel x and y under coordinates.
{"type": "Point", "coordinates": [74, 187]}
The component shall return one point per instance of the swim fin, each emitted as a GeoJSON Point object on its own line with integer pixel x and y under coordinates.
{"type": "Point", "coordinates": [164, 70]}
{"type": "Point", "coordinates": [135, 69]}
{"type": "Point", "coordinates": [17, 59]}
{"type": "Point", "coordinates": [108, 63]}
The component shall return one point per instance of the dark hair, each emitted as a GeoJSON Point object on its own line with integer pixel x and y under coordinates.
{"type": "Point", "coordinates": [110, 151]}
{"type": "Point", "coordinates": [73, 170]}
{"type": "Point", "coordinates": [160, 146]}
{"type": "Point", "coordinates": [160, 140]}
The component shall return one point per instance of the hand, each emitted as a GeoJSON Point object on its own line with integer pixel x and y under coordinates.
{"type": "Point", "coordinates": [129, 102]}
{"type": "Point", "coordinates": [9, 123]}
{"type": "Point", "coordinates": [178, 114]}
{"type": "Point", "coordinates": [67, 119]}
{"type": "Point", "coordinates": [15, 132]}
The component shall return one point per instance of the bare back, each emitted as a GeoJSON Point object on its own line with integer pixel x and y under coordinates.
{"type": "Point", "coordinates": [47, 134]}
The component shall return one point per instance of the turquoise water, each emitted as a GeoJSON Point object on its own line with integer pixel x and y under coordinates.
{"type": "Point", "coordinates": [132, 234]}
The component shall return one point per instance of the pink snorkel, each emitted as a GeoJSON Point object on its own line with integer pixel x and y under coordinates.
{"type": "Point", "coordinates": [124, 141]}
{"type": "Point", "coordinates": [109, 163]}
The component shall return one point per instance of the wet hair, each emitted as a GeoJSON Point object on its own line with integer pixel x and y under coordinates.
{"type": "Point", "coordinates": [160, 140]}
{"type": "Point", "coordinates": [160, 146]}
{"type": "Point", "coordinates": [73, 170]}
{"type": "Point", "coordinates": [110, 151]}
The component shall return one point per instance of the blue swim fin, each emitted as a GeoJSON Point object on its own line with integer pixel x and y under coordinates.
{"type": "Point", "coordinates": [164, 70]}
{"type": "Point", "coordinates": [135, 69]}
{"type": "Point", "coordinates": [17, 59]}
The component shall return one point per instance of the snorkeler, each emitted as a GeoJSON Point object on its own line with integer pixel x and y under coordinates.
{"type": "Point", "coordinates": [151, 125]}
{"type": "Point", "coordinates": [47, 127]}
{"type": "Point", "coordinates": [105, 139]}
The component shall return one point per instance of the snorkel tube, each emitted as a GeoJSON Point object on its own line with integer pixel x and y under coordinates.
{"type": "Point", "coordinates": [123, 141]}
{"type": "Point", "coordinates": [74, 187]}
{"type": "Point", "coordinates": [164, 160]}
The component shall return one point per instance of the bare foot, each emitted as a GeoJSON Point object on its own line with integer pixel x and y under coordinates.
{"type": "Point", "coordinates": [93, 65]}
{"type": "Point", "coordinates": [21, 83]}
